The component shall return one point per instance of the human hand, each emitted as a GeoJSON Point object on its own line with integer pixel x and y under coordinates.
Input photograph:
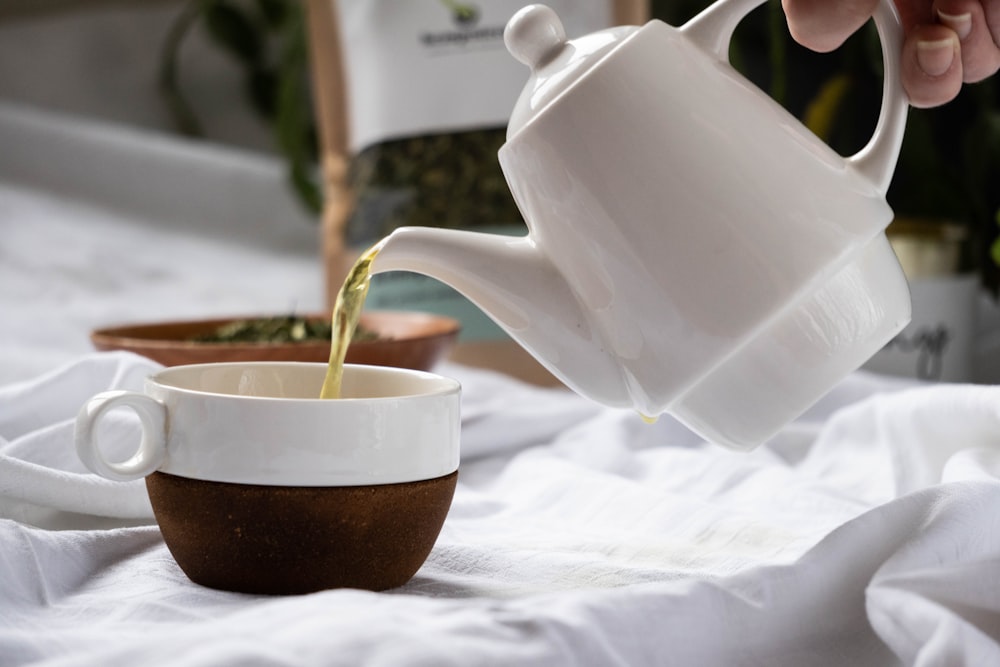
{"type": "Point", "coordinates": [946, 42]}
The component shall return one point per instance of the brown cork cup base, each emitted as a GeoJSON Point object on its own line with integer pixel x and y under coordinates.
{"type": "Point", "coordinates": [281, 540]}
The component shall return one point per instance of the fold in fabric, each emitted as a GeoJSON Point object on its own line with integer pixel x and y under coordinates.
{"type": "Point", "coordinates": [38, 462]}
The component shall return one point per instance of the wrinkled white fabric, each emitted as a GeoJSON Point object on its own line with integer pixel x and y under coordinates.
{"type": "Point", "coordinates": [866, 533]}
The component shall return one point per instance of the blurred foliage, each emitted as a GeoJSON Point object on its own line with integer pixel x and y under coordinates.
{"type": "Point", "coordinates": [267, 39]}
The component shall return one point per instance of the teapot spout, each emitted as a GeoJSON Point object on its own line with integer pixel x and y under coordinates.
{"type": "Point", "coordinates": [514, 282]}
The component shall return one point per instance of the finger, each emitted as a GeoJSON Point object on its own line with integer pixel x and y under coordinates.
{"type": "Point", "coordinates": [980, 53]}
{"type": "Point", "coordinates": [823, 25]}
{"type": "Point", "coordinates": [914, 12]}
{"type": "Point", "coordinates": [991, 8]}
{"type": "Point", "coordinates": [931, 65]}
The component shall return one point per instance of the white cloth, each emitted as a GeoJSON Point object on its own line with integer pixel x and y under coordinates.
{"type": "Point", "coordinates": [41, 479]}
{"type": "Point", "coordinates": [867, 533]}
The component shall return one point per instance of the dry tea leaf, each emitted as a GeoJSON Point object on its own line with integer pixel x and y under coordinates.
{"type": "Point", "coordinates": [287, 329]}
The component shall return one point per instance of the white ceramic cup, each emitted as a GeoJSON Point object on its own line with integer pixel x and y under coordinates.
{"type": "Point", "coordinates": [263, 423]}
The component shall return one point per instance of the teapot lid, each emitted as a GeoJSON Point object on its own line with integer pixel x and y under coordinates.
{"type": "Point", "coordinates": [535, 36]}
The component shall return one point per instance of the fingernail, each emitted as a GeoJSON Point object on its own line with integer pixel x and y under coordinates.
{"type": "Point", "coordinates": [935, 57]}
{"type": "Point", "coordinates": [960, 23]}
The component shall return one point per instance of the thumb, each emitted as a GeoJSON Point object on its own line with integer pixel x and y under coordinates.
{"type": "Point", "coordinates": [823, 25]}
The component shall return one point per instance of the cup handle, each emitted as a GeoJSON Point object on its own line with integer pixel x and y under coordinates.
{"type": "Point", "coordinates": [152, 449]}
{"type": "Point", "coordinates": [713, 28]}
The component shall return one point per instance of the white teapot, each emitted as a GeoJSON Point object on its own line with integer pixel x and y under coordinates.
{"type": "Point", "coordinates": [692, 247]}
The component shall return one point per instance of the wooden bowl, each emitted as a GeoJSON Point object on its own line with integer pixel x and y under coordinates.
{"type": "Point", "coordinates": [405, 340]}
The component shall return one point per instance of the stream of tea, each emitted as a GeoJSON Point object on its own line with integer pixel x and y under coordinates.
{"type": "Point", "coordinates": [346, 313]}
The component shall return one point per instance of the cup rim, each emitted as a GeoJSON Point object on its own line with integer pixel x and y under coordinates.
{"type": "Point", "coordinates": [447, 385]}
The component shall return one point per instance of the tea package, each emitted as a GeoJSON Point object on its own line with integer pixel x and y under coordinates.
{"type": "Point", "coordinates": [413, 101]}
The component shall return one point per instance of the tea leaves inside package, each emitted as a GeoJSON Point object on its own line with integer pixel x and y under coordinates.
{"type": "Point", "coordinates": [448, 180]}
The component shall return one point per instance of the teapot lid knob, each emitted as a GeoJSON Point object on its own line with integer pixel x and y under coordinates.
{"type": "Point", "coordinates": [534, 35]}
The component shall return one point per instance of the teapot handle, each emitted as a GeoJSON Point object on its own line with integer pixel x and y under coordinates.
{"type": "Point", "coordinates": [713, 28]}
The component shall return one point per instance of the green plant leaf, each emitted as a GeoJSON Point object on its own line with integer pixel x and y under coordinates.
{"type": "Point", "coordinates": [293, 114]}
{"type": "Point", "coordinates": [982, 152]}
{"type": "Point", "coordinates": [995, 248]}
{"type": "Point", "coordinates": [822, 112]}
{"type": "Point", "coordinates": [274, 12]}
{"type": "Point", "coordinates": [778, 54]}
{"type": "Point", "coordinates": [927, 185]}
{"type": "Point", "coordinates": [177, 104]}
{"type": "Point", "coordinates": [234, 30]}
{"type": "Point", "coordinates": [262, 89]}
